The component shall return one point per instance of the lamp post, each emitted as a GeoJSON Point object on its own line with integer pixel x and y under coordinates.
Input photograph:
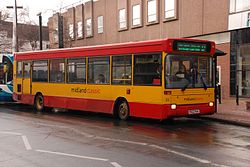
{"type": "Point", "coordinates": [15, 37]}
{"type": "Point", "coordinates": [40, 31]}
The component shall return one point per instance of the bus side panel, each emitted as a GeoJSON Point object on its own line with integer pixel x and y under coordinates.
{"type": "Point", "coordinates": [146, 101]}
{"type": "Point", "coordinates": [76, 96]}
{"type": "Point", "coordinates": [27, 99]}
{"type": "Point", "coordinates": [104, 106]}
{"type": "Point", "coordinates": [143, 110]}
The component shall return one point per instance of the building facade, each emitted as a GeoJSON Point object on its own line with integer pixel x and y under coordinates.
{"type": "Point", "coordinates": [28, 37]}
{"type": "Point", "coordinates": [239, 23]}
{"type": "Point", "coordinates": [99, 22]}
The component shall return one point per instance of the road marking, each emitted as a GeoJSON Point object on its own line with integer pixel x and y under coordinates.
{"type": "Point", "coordinates": [123, 141]}
{"type": "Point", "coordinates": [26, 143]}
{"type": "Point", "coordinates": [182, 154]}
{"type": "Point", "coordinates": [115, 164]}
{"type": "Point", "coordinates": [219, 165]}
{"type": "Point", "coordinates": [11, 133]}
{"type": "Point", "coordinates": [73, 155]}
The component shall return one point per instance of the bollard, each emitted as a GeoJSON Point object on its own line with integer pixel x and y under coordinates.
{"type": "Point", "coordinates": [237, 95]}
{"type": "Point", "coordinates": [219, 93]}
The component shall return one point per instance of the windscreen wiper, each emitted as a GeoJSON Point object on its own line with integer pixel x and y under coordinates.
{"type": "Point", "coordinates": [203, 82]}
{"type": "Point", "coordinates": [185, 87]}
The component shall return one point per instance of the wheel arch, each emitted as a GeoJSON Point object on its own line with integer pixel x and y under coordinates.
{"type": "Point", "coordinates": [117, 101]}
{"type": "Point", "coordinates": [37, 93]}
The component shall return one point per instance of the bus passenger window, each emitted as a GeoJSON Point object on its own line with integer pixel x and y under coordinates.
{"type": "Point", "coordinates": [26, 72]}
{"type": "Point", "coordinates": [19, 69]}
{"type": "Point", "coordinates": [40, 71]}
{"type": "Point", "coordinates": [148, 69]}
{"type": "Point", "coordinates": [57, 70]}
{"type": "Point", "coordinates": [76, 70]}
{"type": "Point", "coordinates": [100, 79]}
{"type": "Point", "coordinates": [122, 70]}
{"type": "Point", "coordinates": [98, 70]}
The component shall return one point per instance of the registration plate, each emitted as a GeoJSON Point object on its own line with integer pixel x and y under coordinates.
{"type": "Point", "coordinates": [191, 112]}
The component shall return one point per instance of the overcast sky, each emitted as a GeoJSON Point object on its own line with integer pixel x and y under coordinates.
{"type": "Point", "coordinates": [35, 6]}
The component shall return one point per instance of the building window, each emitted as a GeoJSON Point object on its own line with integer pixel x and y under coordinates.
{"type": "Point", "coordinates": [136, 15]}
{"type": "Point", "coordinates": [100, 24]}
{"type": "Point", "coordinates": [55, 34]}
{"type": "Point", "coordinates": [122, 19]}
{"type": "Point", "coordinates": [232, 6]}
{"type": "Point", "coordinates": [243, 72]}
{"type": "Point", "coordinates": [147, 69]}
{"type": "Point", "coordinates": [57, 70]}
{"type": "Point", "coordinates": [239, 5]}
{"type": "Point", "coordinates": [152, 9]}
{"type": "Point", "coordinates": [76, 70]}
{"type": "Point", "coordinates": [121, 70]}
{"type": "Point", "coordinates": [98, 70]}
{"type": "Point", "coordinates": [89, 27]}
{"type": "Point", "coordinates": [242, 5]}
{"type": "Point", "coordinates": [71, 31]}
{"type": "Point", "coordinates": [79, 30]}
{"type": "Point", "coordinates": [40, 71]}
{"type": "Point", "coordinates": [169, 9]}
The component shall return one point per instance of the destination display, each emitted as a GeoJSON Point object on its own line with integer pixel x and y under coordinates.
{"type": "Point", "coordinates": [187, 46]}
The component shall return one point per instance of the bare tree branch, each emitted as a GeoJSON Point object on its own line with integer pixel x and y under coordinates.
{"type": "Point", "coordinates": [5, 14]}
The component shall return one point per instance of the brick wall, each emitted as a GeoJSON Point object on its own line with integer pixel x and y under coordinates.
{"type": "Point", "coordinates": [193, 18]}
{"type": "Point", "coordinates": [224, 62]}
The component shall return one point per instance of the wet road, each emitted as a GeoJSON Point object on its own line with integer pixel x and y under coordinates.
{"type": "Point", "coordinates": [95, 140]}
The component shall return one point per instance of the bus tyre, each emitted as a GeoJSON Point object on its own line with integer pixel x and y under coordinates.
{"type": "Point", "coordinates": [123, 110]}
{"type": "Point", "coordinates": [39, 103]}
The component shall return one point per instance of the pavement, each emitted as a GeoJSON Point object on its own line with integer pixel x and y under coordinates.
{"type": "Point", "coordinates": [229, 112]}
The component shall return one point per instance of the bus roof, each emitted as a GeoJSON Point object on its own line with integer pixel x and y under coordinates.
{"type": "Point", "coordinates": [110, 49]}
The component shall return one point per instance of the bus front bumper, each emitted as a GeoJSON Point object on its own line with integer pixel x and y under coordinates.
{"type": "Point", "coordinates": [188, 110]}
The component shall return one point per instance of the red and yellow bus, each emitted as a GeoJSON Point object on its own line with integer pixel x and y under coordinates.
{"type": "Point", "coordinates": [156, 79]}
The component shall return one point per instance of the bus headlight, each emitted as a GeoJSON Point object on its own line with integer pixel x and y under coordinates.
{"type": "Point", "coordinates": [211, 104]}
{"type": "Point", "coordinates": [173, 106]}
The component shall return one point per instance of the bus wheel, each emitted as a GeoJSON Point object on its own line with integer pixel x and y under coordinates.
{"type": "Point", "coordinates": [39, 103]}
{"type": "Point", "coordinates": [123, 110]}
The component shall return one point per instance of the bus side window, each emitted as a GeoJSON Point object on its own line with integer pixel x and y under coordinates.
{"type": "Point", "coordinates": [147, 69]}
{"type": "Point", "coordinates": [98, 70]}
{"type": "Point", "coordinates": [40, 71]}
{"type": "Point", "coordinates": [26, 72]}
{"type": "Point", "coordinates": [76, 69]}
{"type": "Point", "coordinates": [19, 69]}
{"type": "Point", "coordinates": [122, 70]}
{"type": "Point", "coordinates": [57, 70]}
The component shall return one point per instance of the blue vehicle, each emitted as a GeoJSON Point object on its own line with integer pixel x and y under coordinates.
{"type": "Point", "coordinates": [6, 77]}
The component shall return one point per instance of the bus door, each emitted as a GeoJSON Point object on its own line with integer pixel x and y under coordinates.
{"type": "Point", "coordinates": [26, 79]}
